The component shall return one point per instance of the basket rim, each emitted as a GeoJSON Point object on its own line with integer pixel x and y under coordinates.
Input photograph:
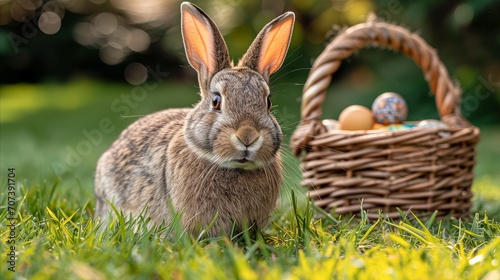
{"type": "Point", "coordinates": [384, 35]}
{"type": "Point", "coordinates": [396, 132]}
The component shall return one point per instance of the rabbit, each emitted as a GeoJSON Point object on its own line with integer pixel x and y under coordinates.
{"type": "Point", "coordinates": [217, 164]}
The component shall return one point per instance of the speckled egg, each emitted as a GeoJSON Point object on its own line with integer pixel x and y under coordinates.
{"type": "Point", "coordinates": [389, 108]}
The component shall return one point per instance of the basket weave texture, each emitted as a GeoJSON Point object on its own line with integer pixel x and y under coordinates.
{"type": "Point", "coordinates": [420, 170]}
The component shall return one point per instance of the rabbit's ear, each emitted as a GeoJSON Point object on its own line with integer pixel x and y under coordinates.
{"type": "Point", "coordinates": [268, 50]}
{"type": "Point", "coordinates": [206, 50]}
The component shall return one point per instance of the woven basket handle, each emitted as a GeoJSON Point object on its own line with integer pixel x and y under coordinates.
{"type": "Point", "coordinates": [383, 35]}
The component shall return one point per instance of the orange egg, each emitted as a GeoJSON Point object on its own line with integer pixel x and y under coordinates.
{"type": "Point", "coordinates": [377, 126]}
{"type": "Point", "coordinates": [356, 117]}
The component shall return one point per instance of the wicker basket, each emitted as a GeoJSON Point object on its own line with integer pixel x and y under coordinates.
{"type": "Point", "coordinates": [417, 170]}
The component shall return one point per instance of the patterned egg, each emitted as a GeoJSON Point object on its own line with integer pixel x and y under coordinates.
{"type": "Point", "coordinates": [389, 108]}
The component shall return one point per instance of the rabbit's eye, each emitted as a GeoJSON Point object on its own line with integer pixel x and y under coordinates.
{"type": "Point", "coordinates": [216, 101]}
{"type": "Point", "coordinates": [269, 104]}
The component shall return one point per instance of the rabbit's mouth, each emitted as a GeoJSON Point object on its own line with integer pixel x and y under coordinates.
{"type": "Point", "coordinates": [243, 160]}
{"type": "Point", "coordinates": [242, 163]}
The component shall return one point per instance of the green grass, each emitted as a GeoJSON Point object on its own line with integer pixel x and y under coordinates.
{"type": "Point", "coordinates": [57, 238]}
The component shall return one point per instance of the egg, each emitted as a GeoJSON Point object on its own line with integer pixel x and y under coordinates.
{"type": "Point", "coordinates": [435, 124]}
{"type": "Point", "coordinates": [397, 127]}
{"type": "Point", "coordinates": [432, 124]}
{"type": "Point", "coordinates": [331, 125]}
{"type": "Point", "coordinates": [378, 126]}
{"type": "Point", "coordinates": [389, 108]}
{"type": "Point", "coordinates": [356, 117]}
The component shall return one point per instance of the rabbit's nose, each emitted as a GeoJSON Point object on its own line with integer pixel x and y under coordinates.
{"type": "Point", "coordinates": [247, 135]}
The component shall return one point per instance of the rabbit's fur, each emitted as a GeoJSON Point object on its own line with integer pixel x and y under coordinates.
{"type": "Point", "coordinates": [218, 162]}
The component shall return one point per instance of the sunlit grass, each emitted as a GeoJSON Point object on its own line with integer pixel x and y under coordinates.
{"type": "Point", "coordinates": [486, 199]}
{"type": "Point", "coordinates": [57, 237]}
{"type": "Point", "coordinates": [487, 189]}
{"type": "Point", "coordinates": [21, 99]}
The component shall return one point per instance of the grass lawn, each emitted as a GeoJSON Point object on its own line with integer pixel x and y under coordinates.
{"type": "Point", "coordinates": [52, 135]}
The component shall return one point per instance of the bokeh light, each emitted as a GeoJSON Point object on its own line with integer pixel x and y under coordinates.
{"type": "Point", "coordinates": [49, 23]}
{"type": "Point", "coordinates": [138, 30]}
{"type": "Point", "coordinates": [357, 10]}
{"type": "Point", "coordinates": [151, 12]}
{"type": "Point", "coordinates": [226, 15]}
{"type": "Point", "coordinates": [463, 14]}
{"type": "Point", "coordinates": [136, 73]}
{"type": "Point", "coordinates": [117, 28]}
{"type": "Point", "coordinates": [120, 36]}
{"type": "Point", "coordinates": [82, 35]}
{"type": "Point", "coordinates": [19, 13]}
{"type": "Point", "coordinates": [112, 54]}
{"type": "Point", "coordinates": [112, 36]}
{"type": "Point", "coordinates": [105, 23]}
{"type": "Point", "coordinates": [54, 6]}
{"type": "Point", "coordinates": [30, 5]}
{"type": "Point", "coordinates": [140, 40]}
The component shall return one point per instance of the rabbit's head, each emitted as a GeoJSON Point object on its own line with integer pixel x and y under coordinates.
{"type": "Point", "coordinates": [232, 124]}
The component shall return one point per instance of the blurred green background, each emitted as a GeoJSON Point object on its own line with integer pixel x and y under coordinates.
{"type": "Point", "coordinates": [59, 42]}
{"type": "Point", "coordinates": [73, 74]}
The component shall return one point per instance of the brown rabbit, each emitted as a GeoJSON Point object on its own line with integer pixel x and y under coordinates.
{"type": "Point", "coordinates": [218, 161]}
